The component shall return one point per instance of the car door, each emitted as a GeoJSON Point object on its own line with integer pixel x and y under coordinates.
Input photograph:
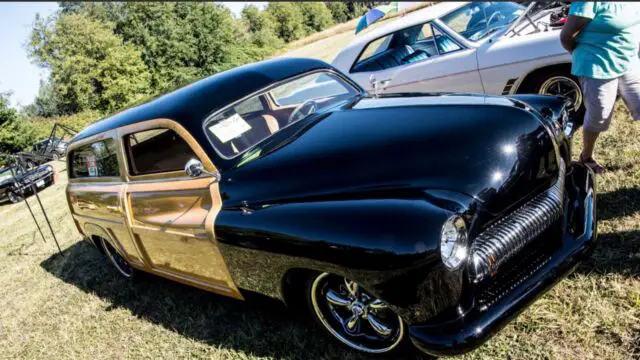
{"type": "Point", "coordinates": [171, 215]}
{"type": "Point", "coordinates": [95, 191]}
{"type": "Point", "coordinates": [453, 68]}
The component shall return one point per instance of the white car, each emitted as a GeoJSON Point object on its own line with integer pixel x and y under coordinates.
{"type": "Point", "coordinates": [483, 47]}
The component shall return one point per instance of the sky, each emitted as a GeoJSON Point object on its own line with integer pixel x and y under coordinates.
{"type": "Point", "coordinates": [17, 73]}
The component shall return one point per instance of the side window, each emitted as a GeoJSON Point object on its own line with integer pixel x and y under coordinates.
{"type": "Point", "coordinates": [98, 159]}
{"type": "Point", "coordinates": [156, 151]}
{"type": "Point", "coordinates": [426, 33]}
{"type": "Point", "coordinates": [444, 42]}
{"type": "Point", "coordinates": [375, 47]}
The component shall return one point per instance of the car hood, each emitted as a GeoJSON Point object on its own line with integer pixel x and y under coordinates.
{"type": "Point", "coordinates": [495, 150]}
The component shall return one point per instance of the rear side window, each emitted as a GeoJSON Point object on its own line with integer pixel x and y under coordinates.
{"type": "Point", "coordinates": [156, 151]}
{"type": "Point", "coordinates": [98, 159]}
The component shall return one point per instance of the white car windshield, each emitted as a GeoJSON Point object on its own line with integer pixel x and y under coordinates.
{"type": "Point", "coordinates": [476, 20]}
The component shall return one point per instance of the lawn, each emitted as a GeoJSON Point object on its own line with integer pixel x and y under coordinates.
{"type": "Point", "coordinates": [74, 305]}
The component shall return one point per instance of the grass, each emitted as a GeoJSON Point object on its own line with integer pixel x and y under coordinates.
{"type": "Point", "coordinates": [74, 305]}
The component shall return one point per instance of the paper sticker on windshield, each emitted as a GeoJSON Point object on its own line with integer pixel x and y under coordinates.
{"type": "Point", "coordinates": [230, 128]}
{"type": "Point", "coordinates": [91, 165]}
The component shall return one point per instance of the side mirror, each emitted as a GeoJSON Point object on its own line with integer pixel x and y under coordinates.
{"type": "Point", "coordinates": [193, 168]}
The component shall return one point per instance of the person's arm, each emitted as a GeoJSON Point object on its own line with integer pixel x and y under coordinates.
{"type": "Point", "coordinates": [580, 13]}
{"type": "Point", "coordinates": [570, 30]}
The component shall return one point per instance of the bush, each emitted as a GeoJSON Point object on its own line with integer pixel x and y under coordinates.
{"type": "Point", "coordinates": [317, 16]}
{"type": "Point", "coordinates": [339, 11]}
{"type": "Point", "coordinates": [288, 18]}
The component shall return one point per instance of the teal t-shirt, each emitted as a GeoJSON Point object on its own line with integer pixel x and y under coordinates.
{"type": "Point", "coordinates": [607, 47]}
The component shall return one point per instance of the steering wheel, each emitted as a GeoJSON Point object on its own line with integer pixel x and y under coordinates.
{"type": "Point", "coordinates": [494, 15]}
{"type": "Point", "coordinates": [303, 110]}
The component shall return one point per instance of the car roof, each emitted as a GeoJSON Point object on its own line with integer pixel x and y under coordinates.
{"type": "Point", "coordinates": [190, 104]}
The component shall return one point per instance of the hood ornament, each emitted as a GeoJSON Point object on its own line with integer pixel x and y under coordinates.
{"type": "Point", "coordinates": [377, 86]}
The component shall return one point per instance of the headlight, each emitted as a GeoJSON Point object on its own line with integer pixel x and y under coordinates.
{"type": "Point", "coordinates": [453, 242]}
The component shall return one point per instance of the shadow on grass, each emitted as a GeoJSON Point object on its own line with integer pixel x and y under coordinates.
{"type": "Point", "coordinates": [260, 326]}
{"type": "Point", "coordinates": [616, 252]}
{"type": "Point", "coordinates": [618, 203]}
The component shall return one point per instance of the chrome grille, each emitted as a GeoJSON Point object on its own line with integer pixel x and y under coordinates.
{"type": "Point", "coordinates": [510, 234]}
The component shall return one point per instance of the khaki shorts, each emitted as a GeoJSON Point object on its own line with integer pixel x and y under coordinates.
{"type": "Point", "coordinates": [600, 96]}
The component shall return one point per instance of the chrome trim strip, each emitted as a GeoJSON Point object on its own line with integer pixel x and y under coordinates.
{"type": "Point", "coordinates": [510, 234]}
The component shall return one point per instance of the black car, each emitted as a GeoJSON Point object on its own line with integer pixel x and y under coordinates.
{"type": "Point", "coordinates": [14, 184]}
{"type": "Point", "coordinates": [430, 218]}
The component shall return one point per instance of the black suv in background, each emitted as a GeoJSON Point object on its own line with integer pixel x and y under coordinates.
{"type": "Point", "coordinates": [12, 189]}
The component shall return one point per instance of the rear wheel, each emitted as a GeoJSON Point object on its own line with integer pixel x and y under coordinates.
{"type": "Point", "coordinates": [354, 317]}
{"type": "Point", "coordinates": [118, 261]}
{"type": "Point", "coordinates": [14, 198]}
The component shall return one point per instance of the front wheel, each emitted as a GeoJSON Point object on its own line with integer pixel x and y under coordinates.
{"type": "Point", "coordinates": [353, 316]}
{"type": "Point", "coordinates": [14, 198]}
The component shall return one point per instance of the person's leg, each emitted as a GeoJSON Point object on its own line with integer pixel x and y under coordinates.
{"type": "Point", "coordinates": [629, 87]}
{"type": "Point", "coordinates": [599, 98]}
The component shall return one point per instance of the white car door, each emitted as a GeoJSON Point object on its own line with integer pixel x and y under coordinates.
{"type": "Point", "coordinates": [452, 69]}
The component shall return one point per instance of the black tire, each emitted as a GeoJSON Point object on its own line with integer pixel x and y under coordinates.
{"type": "Point", "coordinates": [13, 197]}
{"type": "Point", "coordinates": [366, 339]}
{"type": "Point", "coordinates": [121, 265]}
{"type": "Point", "coordinates": [545, 83]}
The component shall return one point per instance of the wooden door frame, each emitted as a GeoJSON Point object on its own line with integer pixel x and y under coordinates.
{"type": "Point", "coordinates": [229, 288]}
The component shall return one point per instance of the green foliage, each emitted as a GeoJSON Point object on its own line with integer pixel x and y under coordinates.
{"type": "Point", "coordinates": [15, 135]}
{"type": "Point", "coordinates": [289, 21]}
{"type": "Point", "coordinates": [45, 103]}
{"type": "Point", "coordinates": [261, 27]}
{"type": "Point", "coordinates": [317, 16]}
{"type": "Point", "coordinates": [90, 67]}
{"type": "Point", "coordinates": [339, 11]}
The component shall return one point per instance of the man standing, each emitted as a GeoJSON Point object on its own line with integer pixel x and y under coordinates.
{"type": "Point", "coordinates": [601, 36]}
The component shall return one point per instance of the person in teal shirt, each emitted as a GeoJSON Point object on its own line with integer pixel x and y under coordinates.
{"type": "Point", "coordinates": [602, 37]}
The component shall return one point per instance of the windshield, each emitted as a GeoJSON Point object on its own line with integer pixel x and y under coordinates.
{"type": "Point", "coordinates": [476, 20]}
{"type": "Point", "coordinates": [6, 175]}
{"type": "Point", "coordinates": [244, 124]}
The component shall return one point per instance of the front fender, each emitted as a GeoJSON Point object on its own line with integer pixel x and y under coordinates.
{"type": "Point", "coordinates": [389, 246]}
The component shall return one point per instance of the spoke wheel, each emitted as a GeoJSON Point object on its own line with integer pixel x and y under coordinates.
{"type": "Point", "coordinates": [563, 86]}
{"type": "Point", "coordinates": [356, 318]}
{"type": "Point", "coordinates": [117, 260]}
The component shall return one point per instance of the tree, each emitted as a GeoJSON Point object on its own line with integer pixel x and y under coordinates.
{"type": "Point", "coordinates": [45, 103]}
{"type": "Point", "coordinates": [288, 19]}
{"type": "Point", "coordinates": [261, 27]}
{"type": "Point", "coordinates": [339, 11]}
{"type": "Point", "coordinates": [15, 134]}
{"type": "Point", "coordinates": [90, 66]}
{"type": "Point", "coordinates": [317, 16]}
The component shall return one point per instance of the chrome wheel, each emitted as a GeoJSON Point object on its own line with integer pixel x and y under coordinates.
{"type": "Point", "coordinates": [14, 198]}
{"type": "Point", "coordinates": [117, 260]}
{"type": "Point", "coordinates": [563, 86]}
{"type": "Point", "coordinates": [353, 316]}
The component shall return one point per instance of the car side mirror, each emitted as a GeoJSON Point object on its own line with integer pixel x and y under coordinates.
{"type": "Point", "coordinates": [193, 168]}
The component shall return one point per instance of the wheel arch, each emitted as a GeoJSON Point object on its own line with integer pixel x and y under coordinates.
{"type": "Point", "coordinates": [528, 81]}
